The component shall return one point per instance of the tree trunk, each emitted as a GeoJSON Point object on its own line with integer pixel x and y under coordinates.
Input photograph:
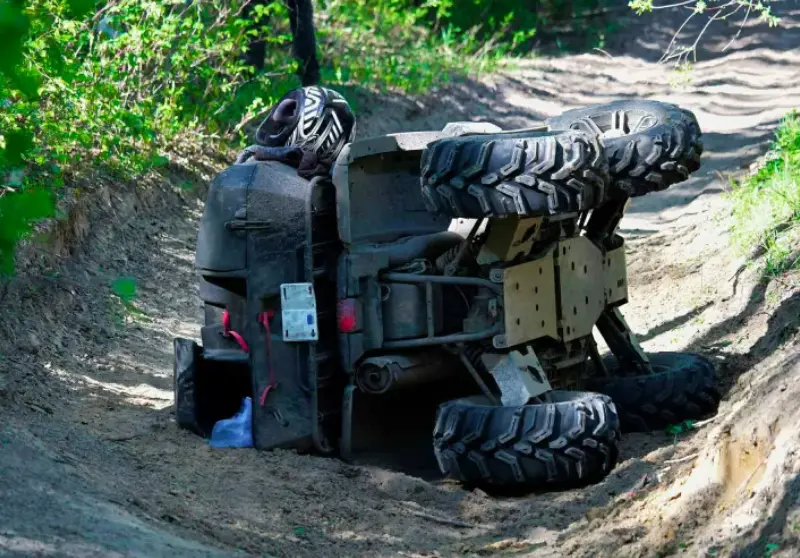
{"type": "Point", "coordinates": [304, 44]}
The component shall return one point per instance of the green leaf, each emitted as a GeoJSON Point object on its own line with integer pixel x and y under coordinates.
{"type": "Point", "coordinates": [158, 161]}
{"type": "Point", "coordinates": [680, 428]}
{"type": "Point", "coordinates": [19, 212]}
{"type": "Point", "coordinates": [80, 8]}
{"type": "Point", "coordinates": [14, 25]}
{"type": "Point", "coordinates": [55, 56]}
{"type": "Point", "coordinates": [26, 82]}
{"type": "Point", "coordinates": [641, 6]}
{"type": "Point", "coordinates": [124, 288]}
{"type": "Point", "coordinates": [673, 429]}
{"type": "Point", "coordinates": [18, 143]}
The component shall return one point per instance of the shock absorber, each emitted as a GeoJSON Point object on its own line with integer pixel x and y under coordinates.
{"type": "Point", "coordinates": [448, 263]}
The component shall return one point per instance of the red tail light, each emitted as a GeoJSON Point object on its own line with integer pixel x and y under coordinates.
{"type": "Point", "coordinates": [346, 314]}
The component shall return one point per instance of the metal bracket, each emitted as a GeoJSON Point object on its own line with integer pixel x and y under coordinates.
{"type": "Point", "coordinates": [519, 376]}
{"type": "Point", "coordinates": [631, 336]}
{"type": "Point", "coordinates": [451, 268]}
{"type": "Point", "coordinates": [621, 340]}
{"type": "Point", "coordinates": [616, 280]}
{"type": "Point", "coordinates": [509, 238]}
{"type": "Point", "coordinates": [242, 225]}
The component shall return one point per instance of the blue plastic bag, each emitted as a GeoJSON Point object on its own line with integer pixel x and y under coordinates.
{"type": "Point", "coordinates": [235, 432]}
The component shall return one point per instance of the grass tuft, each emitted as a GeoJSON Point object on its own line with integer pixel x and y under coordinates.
{"type": "Point", "coordinates": [766, 206]}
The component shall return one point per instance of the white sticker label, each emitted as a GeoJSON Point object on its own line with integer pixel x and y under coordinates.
{"type": "Point", "coordinates": [299, 312]}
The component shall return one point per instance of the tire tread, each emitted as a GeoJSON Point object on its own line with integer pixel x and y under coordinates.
{"type": "Point", "coordinates": [568, 443]}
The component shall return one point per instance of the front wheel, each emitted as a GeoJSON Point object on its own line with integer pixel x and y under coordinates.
{"type": "Point", "coordinates": [681, 387]}
{"type": "Point", "coordinates": [570, 441]}
{"type": "Point", "coordinates": [533, 174]}
{"type": "Point", "coordinates": [649, 145]}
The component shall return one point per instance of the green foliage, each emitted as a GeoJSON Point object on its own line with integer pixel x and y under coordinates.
{"type": "Point", "coordinates": [17, 215]}
{"type": "Point", "coordinates": [80, 8]}
{"type": "Point", "coordinates": [114, 88]}
{"type": "Point", "coordinates": [405, 45]}
{"type": "Point", "coordinates": [123, 302]}
{"type": "Point", "coordinates": [511, 21]}
{"type": "Point", "coordinates": [738, 12]}
{"type": "Point", "coordinates": [766, 206]}
{"type": "Point", "coordinates": [124, 288]}
{"type": "Point", "coordinates": [87, 93]}
{"type": "Point", "coordinates": [680, 428]}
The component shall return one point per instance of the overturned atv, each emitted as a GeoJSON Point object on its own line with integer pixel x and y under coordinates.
{"type": "Point", "coordinates": [361, 310]}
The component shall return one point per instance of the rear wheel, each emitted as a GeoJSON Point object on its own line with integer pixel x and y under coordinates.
{"type": "Point", "coordinates": [649, 145]}
{"type": "Point", "coordinates": [519, 173]}
{"type": "Point", "coordinates": [571, 441]}
{"type": "Point", "coordinates": [682, 387]}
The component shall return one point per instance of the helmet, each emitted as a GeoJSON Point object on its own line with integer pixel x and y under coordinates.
{"type": "Point", "coordinates": [314, 118]}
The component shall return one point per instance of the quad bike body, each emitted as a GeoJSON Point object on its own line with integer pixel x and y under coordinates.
{"type": "Point", "coordinates": [362, 309]}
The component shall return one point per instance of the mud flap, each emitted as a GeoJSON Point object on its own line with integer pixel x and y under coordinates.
{"type": "Point", "coordinates": [206, 389]}
{"type": "Point", "coordinates": [188, 356]}
{"type": "Point", "coordinates": [283, 372]}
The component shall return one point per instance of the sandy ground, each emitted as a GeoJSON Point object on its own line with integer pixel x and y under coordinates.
{"type": "Point", "coordinates": [92, 464]}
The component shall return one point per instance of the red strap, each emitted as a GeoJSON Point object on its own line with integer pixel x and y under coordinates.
{"type": "Point", "coordinates": [227, 331]}
{"type": "Point", "coordinates": [264, 319]}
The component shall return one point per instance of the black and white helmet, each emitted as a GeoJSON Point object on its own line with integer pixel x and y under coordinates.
{"type": "Point", "coordinates": [313, 118]}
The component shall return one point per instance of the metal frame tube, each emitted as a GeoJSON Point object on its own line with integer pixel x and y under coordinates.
{"type": "Point", "coordinates": [431, 339]}
{"type": "Point", "coordinates": [445, 339]}
{"type": "Point", "coordinates": [467, 281]}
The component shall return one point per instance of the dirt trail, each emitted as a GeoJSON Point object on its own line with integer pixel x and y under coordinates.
{"type": "Point", "coordinates": [92, 464]}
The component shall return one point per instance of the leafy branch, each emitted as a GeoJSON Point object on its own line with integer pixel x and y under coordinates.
{"type": "Point", "coordinates": [740, 11]}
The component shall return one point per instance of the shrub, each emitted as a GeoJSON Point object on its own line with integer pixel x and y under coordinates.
{"type": "Point", "coordinates": [766, 206]}
{"type": "Point", "coordinates": [116, 87]}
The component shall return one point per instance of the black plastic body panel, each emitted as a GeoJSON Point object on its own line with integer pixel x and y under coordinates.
{"type": "Point", "coordinates": [383, 201]}
{"type": "Point", "coordinates": [215, 295]}
{"type": "Point", "coordinates": [275, 252]}
{"type": "Point", "coordinates": [206, 389]}
{"type": "Point", "coordinates": [220, 249]}
{"type": "Point", "coordinates": [257, 233]}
